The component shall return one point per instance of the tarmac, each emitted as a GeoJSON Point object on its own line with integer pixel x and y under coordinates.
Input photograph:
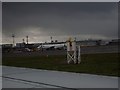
{"type": "Point", "coordinates": [15, 77]}
{"type": "Point", "coordinates": [84, 50]}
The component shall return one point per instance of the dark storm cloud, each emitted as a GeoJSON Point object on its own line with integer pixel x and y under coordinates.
{"type": "Point", "coordinates": [0, 22]}
{"type": "Point", "coordinates": [55, 19]}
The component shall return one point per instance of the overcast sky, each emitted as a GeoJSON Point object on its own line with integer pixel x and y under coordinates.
{"type": "Point", "coordinates": [60, 20]}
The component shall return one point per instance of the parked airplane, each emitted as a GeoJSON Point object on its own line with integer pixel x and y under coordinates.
{"type": "Point", "coordinates": [51, 46]}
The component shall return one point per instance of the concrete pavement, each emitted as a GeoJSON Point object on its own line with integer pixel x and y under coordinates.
{"type": "Point", "coordinates": [14, 77]}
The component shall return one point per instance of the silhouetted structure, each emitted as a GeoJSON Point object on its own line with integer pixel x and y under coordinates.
{"type": "Point", "coordinates": [23, 40]}
{"type": "Point", "coordinates": [51, 39]}
{"type": "Point", "coordinates": [13, 36]}
{"type": "Point", "coordinates": [27, 39]}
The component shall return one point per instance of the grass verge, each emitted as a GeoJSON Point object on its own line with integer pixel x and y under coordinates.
{"type": "Point", "coordinates": [101, 64]}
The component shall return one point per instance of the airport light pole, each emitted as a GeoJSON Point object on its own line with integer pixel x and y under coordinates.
{"type": "Point", "coordinates": [13, 36]}
{"type": "Point", "coordinates": [23, 40]}
{"type": "Point", "coordinates": [51, 39]}
{"type": "Point", "coordinates": [27, 39]}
